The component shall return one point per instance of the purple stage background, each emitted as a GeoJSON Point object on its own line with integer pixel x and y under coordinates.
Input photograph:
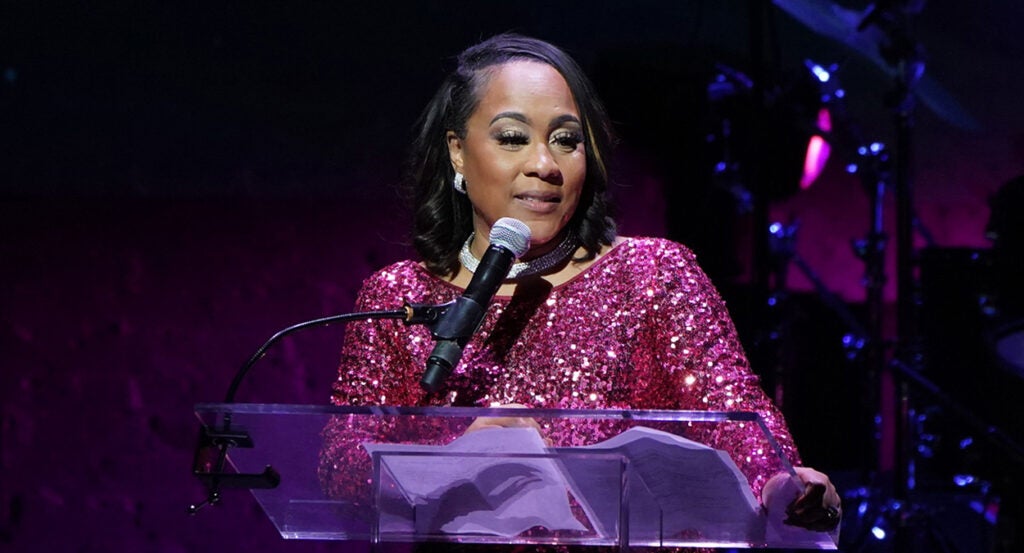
{"type": "Point", "coordinates": [120, 316]}
{"type": "Point", "coordinates": [134, 279]}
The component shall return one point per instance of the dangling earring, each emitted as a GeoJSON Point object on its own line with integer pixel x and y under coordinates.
{"type": "Point", "coordinates": [459, 182]}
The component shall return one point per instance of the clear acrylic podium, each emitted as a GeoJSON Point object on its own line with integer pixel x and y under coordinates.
{"type": "Point", "coordinates": [649, 485]}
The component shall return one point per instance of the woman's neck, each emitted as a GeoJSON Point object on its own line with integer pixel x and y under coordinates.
{"type": "Point", "coordinates": [559, 275]}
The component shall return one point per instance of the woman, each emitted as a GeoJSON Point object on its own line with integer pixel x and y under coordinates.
{"type": "Point", "coordinates": [590, 320]}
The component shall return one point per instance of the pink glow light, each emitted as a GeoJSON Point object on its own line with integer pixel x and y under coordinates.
{"type": "Point", "coordinates": [818, 151]}
{"type": "Point", "coordinates": [814, 162]}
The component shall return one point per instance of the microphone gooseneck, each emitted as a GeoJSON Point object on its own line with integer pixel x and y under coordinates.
{"type": "Point", "coordinates": [510, 239]}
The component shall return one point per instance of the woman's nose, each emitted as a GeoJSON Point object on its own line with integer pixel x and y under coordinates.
{"type": "Point", "coordinates": [542, 164]}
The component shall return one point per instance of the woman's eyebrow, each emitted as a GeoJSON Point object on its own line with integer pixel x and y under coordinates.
{"type": "Point", "coordinates": [561, 119]}
{"type": "Point", "coordinates": [511, 115]}
{"type": "Point", "coordinates": [566, 118]}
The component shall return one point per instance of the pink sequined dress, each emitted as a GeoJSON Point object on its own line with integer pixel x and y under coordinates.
{"type": "Point", "coordinates": [641, 328]}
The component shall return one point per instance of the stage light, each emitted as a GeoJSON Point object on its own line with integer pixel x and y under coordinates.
{"type": "Point", "coordinates": [817, 155]}
{"type": "Point", "coordinates": [963, 480]}
{"type": "Point", "coordinates": [820, 72]}
{"type": "Point", "coordinates": [818, 150]}
{"type": "Point", "coordinates": [793, 145]}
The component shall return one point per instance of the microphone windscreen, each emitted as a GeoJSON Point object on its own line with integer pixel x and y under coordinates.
{"type": "Point", "coordinates": [511, 234]}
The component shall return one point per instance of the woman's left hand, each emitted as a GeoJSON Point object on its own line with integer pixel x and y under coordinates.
{"type": "Point", "coordinates": [482, 423]}
{"type": "Point", "coordinates": [817, 507]}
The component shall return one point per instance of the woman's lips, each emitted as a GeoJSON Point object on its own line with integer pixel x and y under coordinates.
{"type": "Point", "coordinates": [539, 203]}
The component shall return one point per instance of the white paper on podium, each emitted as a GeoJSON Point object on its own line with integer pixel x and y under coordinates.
{"type": "Point", "coordinates": [682, 485]}
{"type": "Point", "coordinates": [678, 489]}
{"type": "Point", "coordinates": [481, 495]}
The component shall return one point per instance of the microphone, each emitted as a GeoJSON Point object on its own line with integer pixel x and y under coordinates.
{"type": "Point", "coordinates": [510, 239]}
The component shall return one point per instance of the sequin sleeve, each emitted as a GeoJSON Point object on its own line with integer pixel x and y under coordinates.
{"type": "Point", "coordinates": [369, 359]}
{"type": "Point", "coordinates": [692, 359]}
{"type": "Point", "coordinates": [377, 367]}
{"type": "Point", "coordinates": [374, 368]}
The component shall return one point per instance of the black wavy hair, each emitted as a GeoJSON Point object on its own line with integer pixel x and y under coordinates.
{"type": "Point", "coordinates": [442, 216]}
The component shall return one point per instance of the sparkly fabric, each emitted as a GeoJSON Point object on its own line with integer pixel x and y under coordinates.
{"type": "Point", "coordinates": [641, 328]}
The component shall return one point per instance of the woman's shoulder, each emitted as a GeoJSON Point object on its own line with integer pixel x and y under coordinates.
{"type": "Point", "coordinates": [407, 269]}
{"type": "Point", "coordinates": [403, 280]}
{"type": "Point", "coordinates": [656, 266]}
{"type": "Point", "coordinates": [642, 249]}
{"type": "Point", "coordinates": [656, 262]}
{"type": "Point", "coordinates": [641, 262]}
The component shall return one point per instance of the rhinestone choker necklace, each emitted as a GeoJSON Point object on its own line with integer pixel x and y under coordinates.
{"type": "Point", "coordinates": [525, 268]}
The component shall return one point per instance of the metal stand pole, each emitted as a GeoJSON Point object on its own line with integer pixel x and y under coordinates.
{"type": "Point", "coordinates": [908, 351]}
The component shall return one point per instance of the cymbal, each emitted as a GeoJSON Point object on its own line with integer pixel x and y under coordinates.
{"type": "Point", "coordinates": [842, 25]}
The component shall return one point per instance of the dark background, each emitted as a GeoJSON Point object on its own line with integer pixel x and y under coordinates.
{"type": "Point", "coordinates": [180, 180]}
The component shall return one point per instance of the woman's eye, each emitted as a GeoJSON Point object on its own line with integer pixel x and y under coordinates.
{"type": "Point", "coordinates": [512, 138]}
{"type": "Point", "coordinates": [566, 140]}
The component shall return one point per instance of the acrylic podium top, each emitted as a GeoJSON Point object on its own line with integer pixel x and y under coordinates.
{"type": "Point", "coordinates": [579, 477]}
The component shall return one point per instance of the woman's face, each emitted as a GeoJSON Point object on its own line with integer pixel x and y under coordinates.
{"type": "Point", "coordinates": [523, 154]}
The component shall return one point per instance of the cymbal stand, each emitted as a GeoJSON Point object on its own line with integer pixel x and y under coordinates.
{"type": "Point", "coordinates": [885, 381]}
{"type": "Point", "coordinates": [893, 18]}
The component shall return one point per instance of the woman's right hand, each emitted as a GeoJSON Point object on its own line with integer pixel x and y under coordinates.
{"type": "Point", "coordinates": [816, 507]}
